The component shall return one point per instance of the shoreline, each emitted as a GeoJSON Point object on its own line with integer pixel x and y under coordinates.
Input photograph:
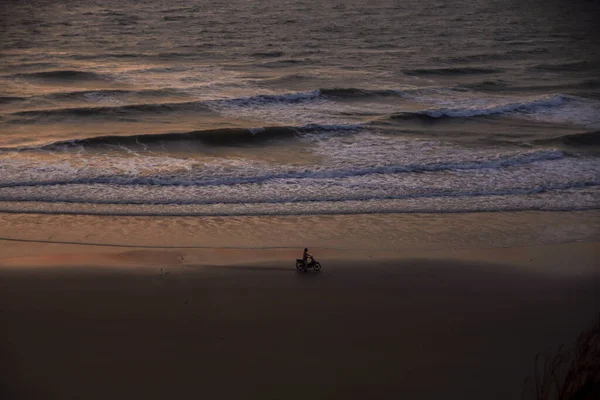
{"type": "Point", "coordinates": [366, 232]}
{"type": "Point", "coordinates": [582, 256]}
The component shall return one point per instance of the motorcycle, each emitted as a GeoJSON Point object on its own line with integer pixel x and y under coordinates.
{"type": "Point", "coordinates": [312, 263]}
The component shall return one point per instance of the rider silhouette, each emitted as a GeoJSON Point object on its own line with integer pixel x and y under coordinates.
{"type": "Point", "coordinates": [305, 256]}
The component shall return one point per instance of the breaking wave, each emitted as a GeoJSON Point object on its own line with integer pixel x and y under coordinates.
{"type": "Point", "coordinates": [263, 100]}
{"type": "Point", "coordinates": [214, 137]}
{"type": "Point", "coordinates": [526, 107]}
{"type": "Point", "coordinates": [69, 198]}
{"type": "Point", "coordinates": [499, 162]}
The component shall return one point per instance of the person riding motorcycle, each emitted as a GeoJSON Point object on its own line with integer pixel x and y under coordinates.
{"type": "Point", "coordinates": [305, 257]}
{"type": "Point", "coordinates": [307, 262]}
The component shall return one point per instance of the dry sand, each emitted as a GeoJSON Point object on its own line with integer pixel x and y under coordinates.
{"type": "Point", "coordinates": [98, 322]}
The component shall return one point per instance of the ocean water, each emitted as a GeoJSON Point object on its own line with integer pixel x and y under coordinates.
{"type": "Point", "coordinates": [254, 107]}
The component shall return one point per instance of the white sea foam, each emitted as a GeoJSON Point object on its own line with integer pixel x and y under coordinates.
{"type": "Point", "coordinates": [568, 200]}
{"type": "Point", "coordinates": [165, 171]}
{"type": "Point", "coordinates": [99, 97]}
{"type": "Point", "coordinates": [256, 131]}
{"type": "Point", "coordinates": [559, 108]}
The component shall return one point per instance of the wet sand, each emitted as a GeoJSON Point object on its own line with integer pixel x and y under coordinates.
{"type": "Point", "coordinates": [95, 322]}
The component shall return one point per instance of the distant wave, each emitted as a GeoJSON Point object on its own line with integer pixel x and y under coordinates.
{"type": "Point", "coordinates": [153, 108]}
{"type": "Point", "coordinates": [282, 63]}
{"type": "Point", "coordinates": [215, 137]}
{"type": "Point", "coordinates": [474, 111]}
{"type": "Point", "coordinates": [501, 85]}
{"type": "Point", "coordinates": [175, 17]}
{"type": "Point", "coordinates": [381, 46]}
{"type": "Point", "coordinates": [479, 107]}
{"type": "Point", "coordinates": [289, 78]}
{"type": "Point", "coordinates": [486, 85]}
{"type": "Point", "coordinates": [451, 71]}
{"type": "Point", "coordinates": [176, 68]}
{"type": "Point", "coordinates": [259, 99]}
{"type": "Point", "coordinates": [503, 54]}
{"type": "Point", "coordinates": [590, 84]}
{"type": "Point", "coordinates": [317, 94]}
{"type": "Point", "coordinates": [10, 99]}
{"type": "Point", "coordinates": [225, 136]}
{"type": "Point", "coordinates": [239, 102]}
{"type": "Point", "coordinates": [170, 55]}
{"type": "Point", "coordinates": [63, 75]}
{"type": "Point", "coordinates": [269, 54]}
{"type": "Point", "coordinates": [91, 94]}
{"type": "Point", "coordinates": [265, 99]}
{"type": "Point", "coordinates": [567, 66]}
{"type": "Point", "coordinates": [32, 65]}
{"type": "Point", "coordinates": [115, 111]}
{"type": "Point", "coordinates": [358, 93]}
{"type": "Point", "coordinates": [575, 140]}
{"type": "Point", "coordinates": [499, 162]}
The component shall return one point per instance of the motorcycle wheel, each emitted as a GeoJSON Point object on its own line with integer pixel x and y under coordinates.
{"type": "Point", "coordinates": [299, 266]}
{"type": "Point", "coordinates": [317, 266]}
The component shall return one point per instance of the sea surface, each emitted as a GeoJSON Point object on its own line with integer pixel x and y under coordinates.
{"type": "Point", "coordinates": [254, 107]}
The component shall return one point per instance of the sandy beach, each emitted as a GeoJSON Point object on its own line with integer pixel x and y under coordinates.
{"type": "Point", "coordinates": [96, 322]}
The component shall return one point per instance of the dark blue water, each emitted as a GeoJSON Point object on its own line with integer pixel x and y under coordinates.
{"type": "Point", "coordinates": [288, 107]}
